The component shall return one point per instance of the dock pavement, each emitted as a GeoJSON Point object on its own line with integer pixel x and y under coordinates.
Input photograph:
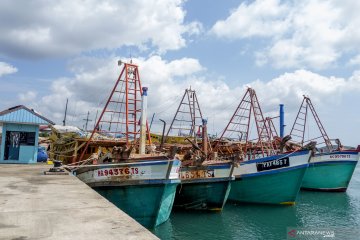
{"type": "Point", "coordinates": [57, 207]}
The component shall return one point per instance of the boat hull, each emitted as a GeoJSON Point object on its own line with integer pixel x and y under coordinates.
{"type": "Point", "coordinates": [274, 186]}
{"type": "Point", "coordinates": [145, 190]}
{"type": "Point", "coordinates": [330, 172]}
{"type": "Point", "coordinates": [204, 188]}
{"type": "Point", "coordinates": [150, 205]}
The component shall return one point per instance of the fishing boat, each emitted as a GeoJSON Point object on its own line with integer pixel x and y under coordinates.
{"type": "Point", "coordinates": [330, 171]}
{"type": "Point", "coordinates": [144, 187]}
{"type": "Point", "coordinates": [274, 179]}
{"type": "Point", "coordinates": [331, 166]}
{"type": "Point", "coordinates": [263, 174]}
{"type": "Point", "coordinates": [205, 178]}
{"type": "Point", "coordinates": [136, 179]}
{"type": "Point", "coordinates": [204, 187]}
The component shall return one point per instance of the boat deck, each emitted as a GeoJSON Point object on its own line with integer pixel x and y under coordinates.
{"type": "Point", "coordinates": [38, 206]}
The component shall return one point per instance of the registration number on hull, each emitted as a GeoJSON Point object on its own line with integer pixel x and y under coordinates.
{"type": "Point", "coordinates": [272, 164]}
{"type": "Point", "coordinates": [197, 174]}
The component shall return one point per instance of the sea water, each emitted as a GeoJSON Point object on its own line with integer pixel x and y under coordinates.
{"type": "Point", "coordinates": [316, 215]}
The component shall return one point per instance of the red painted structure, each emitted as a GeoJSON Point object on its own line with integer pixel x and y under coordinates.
{"type": "Point", "coordinates": [188, 116]}
{"type": "Point", "coordinates": [122, 111]}
{"type": "Point", "coordinates": [298, 129]}
{"type": "Point", "coordinates": [238, 127]}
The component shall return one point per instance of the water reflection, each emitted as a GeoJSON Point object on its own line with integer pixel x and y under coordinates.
{"type": "Point", "coordinates": [333, 211]}
{"type": "Point", "coordinates": [193, 225]}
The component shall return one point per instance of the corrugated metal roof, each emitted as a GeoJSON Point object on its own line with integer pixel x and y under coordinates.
{"type": "Point", "coordinates": [21, 114]}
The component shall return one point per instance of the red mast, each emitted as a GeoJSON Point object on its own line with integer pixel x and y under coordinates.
{"type": "Point", "coordinates": [239, 126]}
{"type": "Point", "coordinates": [188, 116]}
{"type": "Point", "coordinates": [121, 114]}
{"type": "Point", "coordinates": [298, 129]}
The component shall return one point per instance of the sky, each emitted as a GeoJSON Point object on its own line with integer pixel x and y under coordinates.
{"type": "Point", "coordinates": [54, 50]}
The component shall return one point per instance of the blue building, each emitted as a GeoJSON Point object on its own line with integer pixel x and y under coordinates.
{"type": "Point", "coordinates": [20, 134]}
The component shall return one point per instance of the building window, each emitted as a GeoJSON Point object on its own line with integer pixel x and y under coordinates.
{"type": "Point", "coordinates": [13, 141]}
{"type": "Point", "coordinates": [20, 138]}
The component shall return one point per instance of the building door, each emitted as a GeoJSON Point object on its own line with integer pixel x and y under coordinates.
{"type": "Point", "coordinates": [12, 146]}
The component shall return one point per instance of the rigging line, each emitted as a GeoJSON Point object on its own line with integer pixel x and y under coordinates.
{"type": "Point", "coordinates": [308, 132]}
{"type": "Point", "coordinates": [228, 108]}
{"type": "Point", "coordinates": [112, 114]}
{"type": "Point", "coordinates": [230, 105]}
{"type": "Point", "coordinates": [122, 105]}
{"type": "Point", "coordinates": [102, 98]}
{"type": "Point", "coordinates": [168, 106]}
{"type": "Point", "coordinates": [118, 119]}
{"type": "Point", "coordinates": [238, 118]}
{"type": "Point", "coordinates": [173, 99]}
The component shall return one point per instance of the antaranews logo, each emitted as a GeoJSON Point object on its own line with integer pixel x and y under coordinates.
{"type": "Point", "coordinates": [304, 233]}
{"type": "Point", "coordinates": [292, 233]}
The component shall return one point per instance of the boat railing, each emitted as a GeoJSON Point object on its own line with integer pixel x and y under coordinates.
{"type": "Point", "coordinates": [73, 167]}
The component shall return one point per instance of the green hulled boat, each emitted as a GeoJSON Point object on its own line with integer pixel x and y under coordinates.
{"type": "Point", "coordinates": [205, 179]}
{"type": "Point", "coordinates": [143, 185]}
{"type": "Point", "coordinates": [330, 171]}
{"type": "Point", "coordinates": [331, 167]}
{"type": "Point", "coordinates": [263, 174]}
{"type": "Point", "coordinates": [150, 205]}
{"type": "Point", "coordinates": [271, 180]}
{"type": "Point", "coordinates": [204, 187]}
{"type": "Point", "coordinates": [144, 189]}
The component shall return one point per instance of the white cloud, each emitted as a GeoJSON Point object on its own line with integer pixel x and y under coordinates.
{"type": "Point", "coordinates": [355, 60]}
{"type": "Point", "coordinates": [311, 33]}
{"type": "Point", "coordinates": [289, 88]}
{"type": "Point", "coordinates": [27, 97]}
{"type": "Point", "coordinates": [59, 28]}
{"type": "Point", "coordinates": [6, 68]}
{"type": "Point", "coordinates": [90, 86]}
{"type": "Point", "coordinates": [261, 18]}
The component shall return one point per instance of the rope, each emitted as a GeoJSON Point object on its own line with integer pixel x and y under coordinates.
{"type": "Point", "coordinates": [74, 163]}
{"type": "Point", "coordinates": [176, 98]}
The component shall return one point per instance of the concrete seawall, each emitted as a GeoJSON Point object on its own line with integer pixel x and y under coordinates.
{"type": "Point", "coordinates": [38, 206]}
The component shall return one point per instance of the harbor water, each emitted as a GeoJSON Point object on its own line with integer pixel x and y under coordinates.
{"type": "Point", "coordinates": [317, 215]}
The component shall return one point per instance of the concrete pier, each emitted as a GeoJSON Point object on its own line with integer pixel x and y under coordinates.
{"type": "Point", "coordinates": [38, 206]}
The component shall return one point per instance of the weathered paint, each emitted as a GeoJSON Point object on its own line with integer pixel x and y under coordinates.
{"type": "Point", "coordinates": [150, 205]}
{"type": "Point", "coordinates": [204, 187]}
{"type": "Point", "coordinates": [205, 172]}
{"type": "Point", "coordinates": [136, 172]}
{"type": "Point", "coordinates": [203, 195]}
{"type": "Point", "coordinates": [143, 189]}
{"type": "Point", "coordinates": [249, 167]}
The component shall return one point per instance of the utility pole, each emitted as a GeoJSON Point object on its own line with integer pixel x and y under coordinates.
{"type": "Point", "coordinates": [87, 120]}
{"type": "Point", "coordinates": [64, 121]}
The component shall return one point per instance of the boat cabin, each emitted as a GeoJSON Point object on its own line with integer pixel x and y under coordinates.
{"type": "Point", "coordinates": [19, 134]}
